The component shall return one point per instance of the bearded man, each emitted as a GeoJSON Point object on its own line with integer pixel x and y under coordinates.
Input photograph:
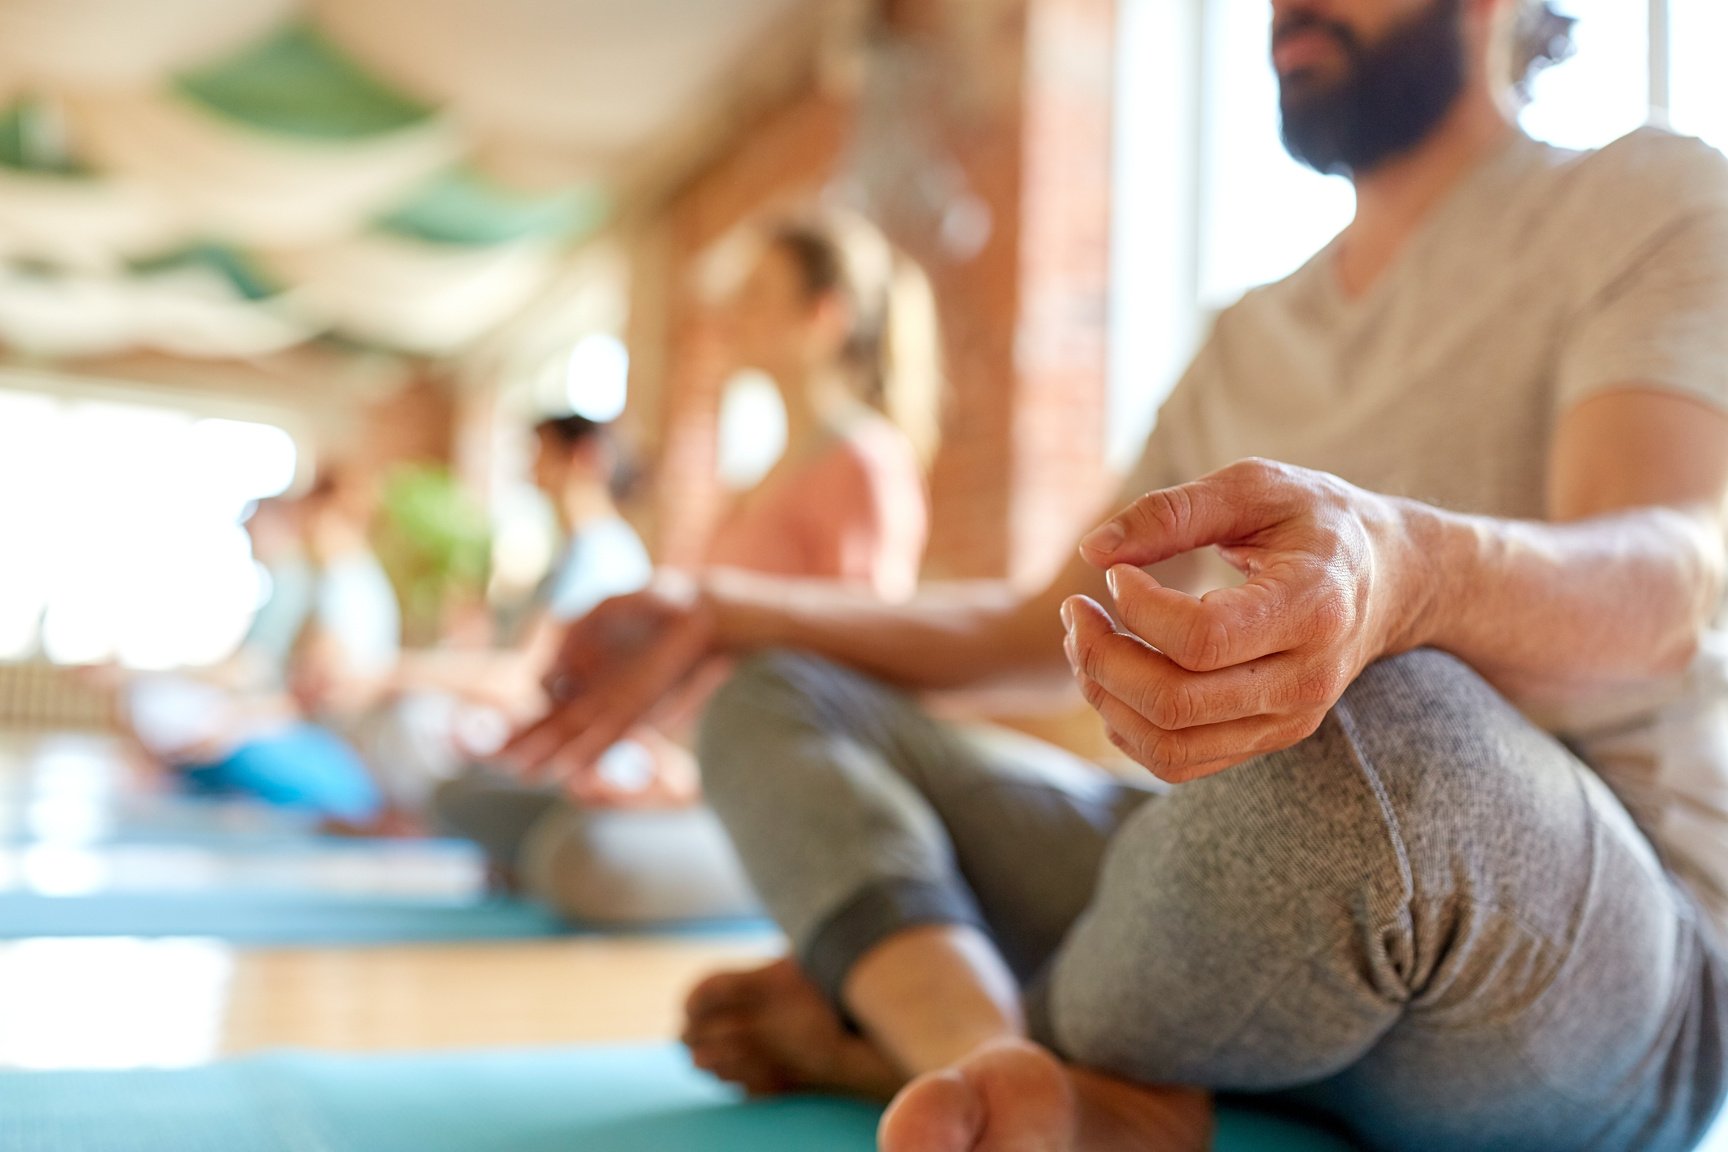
{"type": "Point", "coordinates": [1426, 651]}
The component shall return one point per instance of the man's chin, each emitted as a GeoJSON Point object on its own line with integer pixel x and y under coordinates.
{"type": "Point", "coordinates": [1308, 85]}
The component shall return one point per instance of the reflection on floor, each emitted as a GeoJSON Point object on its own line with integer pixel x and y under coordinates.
{"type": "Point", "coordinates": [75, 819]}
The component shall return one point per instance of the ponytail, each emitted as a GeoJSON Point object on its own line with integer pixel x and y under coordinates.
{"type": "Point", "coordinates": [893, 351]}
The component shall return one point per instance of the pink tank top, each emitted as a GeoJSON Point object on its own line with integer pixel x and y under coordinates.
{"type": "Point", "coordinates": [857, 512]}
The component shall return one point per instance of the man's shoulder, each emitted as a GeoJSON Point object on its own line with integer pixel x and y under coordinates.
{"type": "Point", "coordinates": [1651, 173]}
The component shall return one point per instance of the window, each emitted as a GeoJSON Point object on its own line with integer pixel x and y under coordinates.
{"type": "Point", "coordinates": [1263, 214]}
{"type": "Point", "coordinates": [1603, 91]}
{"type": "Point", "coordinates": [122, 530]}
{"type": "Point", "coordinates": [1696, 80]}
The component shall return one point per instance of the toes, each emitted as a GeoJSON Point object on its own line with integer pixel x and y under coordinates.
{"type": "Point", "coordinates": [730, 1027]}
{"type": "Point", "coordinates": [1024, 1091]}
{"type": "Point", "coordinates": [1011, 1096]}
{"type": "Point", "coordinates": [1017, 1072]}
{"type": "Point", "coordinates": [940, 1112]}
{"type": "Point", "coordinates": [737, 1064]}
{"type": "Point", "coordinates": [728, 992]}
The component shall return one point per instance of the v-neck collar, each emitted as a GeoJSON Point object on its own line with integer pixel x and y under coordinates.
{"type": "Point", "coordinates": [1504, 162]}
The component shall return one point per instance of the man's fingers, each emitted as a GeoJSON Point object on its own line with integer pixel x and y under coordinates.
{"type": "Point", "coordinates": [1223, 508]}
{"type": "Point", "coordinates": [1166, 695]}
{"type": "Point", "coordinates": [1194, 746]}
{"type": "Point", "coordinates": [575, 759]}
{"type": "Point", "coordinates": [530, 748]}
{"type": "Point", "coordinates": [1193, 753]}
{"type": "Point", "coordinates": [572, 736]}
{"type": "Point", "coordinates": [1272, 613]}
{"type": "Point", "coordinates": [1174, 699]}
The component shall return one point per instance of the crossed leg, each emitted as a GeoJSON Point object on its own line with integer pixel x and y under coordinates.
{"type": "Point", "coordinates": [928, 874]}
{"type": "Point", "coordinates": [1429, 920]}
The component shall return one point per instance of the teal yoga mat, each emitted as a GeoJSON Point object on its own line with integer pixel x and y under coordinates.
{"type": "Point", "coordinates": [301, 918]}
{"type": "Point", "coordinates": [581, 1100]}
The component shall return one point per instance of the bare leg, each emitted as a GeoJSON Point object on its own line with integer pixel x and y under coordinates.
{"type": "Point", "coordinates": [930, 995]}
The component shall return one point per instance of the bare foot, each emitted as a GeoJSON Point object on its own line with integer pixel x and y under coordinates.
{"type": "Point", "coordinates": [771, 1030]}
{"type": "Point", "coordinates": [1013, 1096]}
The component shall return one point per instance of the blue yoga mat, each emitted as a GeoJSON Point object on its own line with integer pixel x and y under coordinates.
{"type": "Point", "coordinates": [271, 917]}
{"type": "Point", "coordinates": [582, 1100]}
{"type": "Point", "coordinates": [300, 918]}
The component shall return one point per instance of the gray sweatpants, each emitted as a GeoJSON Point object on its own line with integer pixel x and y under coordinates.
{"type": "Point", "coordinates": [1430, 921]}
{"type": "Point", "coordinates": [599, 866]}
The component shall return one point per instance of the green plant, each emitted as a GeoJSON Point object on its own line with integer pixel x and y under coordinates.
{"type": "Point", "coordinates": [435, 542]}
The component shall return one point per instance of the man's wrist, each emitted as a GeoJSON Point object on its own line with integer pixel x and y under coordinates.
{"type": "Point", "coordinates": [735, 619]}
{"type": "Point", "coordinates": [1431, 552]}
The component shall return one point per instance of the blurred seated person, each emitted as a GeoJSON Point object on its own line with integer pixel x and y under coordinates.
{"type": "Point", "coordinates": [451, 706]}
{"type": "Point", "coordinates": [266, 722]}
{"type": "Point", "coordinates": [846, 329]}
{"type": "Point", "coordinates": [260, 664]}
{"type": "Point", "coordinates": [345, 654]}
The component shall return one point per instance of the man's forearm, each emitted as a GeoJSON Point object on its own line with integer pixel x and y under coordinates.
{"type": "Point", "coordinates": [944, 638]}
{"type": "Point", "coordinates": [1554, 613]}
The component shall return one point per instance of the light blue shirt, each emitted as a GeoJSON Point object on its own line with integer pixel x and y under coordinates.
{"type": "Point", "coordinates": [605, 559]}
{"type": "Point", "coordinates": [355, 604]}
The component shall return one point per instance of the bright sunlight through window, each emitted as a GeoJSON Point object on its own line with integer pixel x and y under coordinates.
{"type": "Point", "coordinates": [122, 530]}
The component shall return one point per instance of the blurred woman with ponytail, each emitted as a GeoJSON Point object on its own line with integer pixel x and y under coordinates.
{"type": "Point", "coordinates": [845, 327]}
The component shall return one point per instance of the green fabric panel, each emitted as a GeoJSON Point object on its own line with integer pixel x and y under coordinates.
{"type": "Point", "coordinates": [296, 83]}
{"type": "Point", "coordinates": [643, 1099]}
{"type": "Point", "coordinates": [29, 143]}
{"type": "Point", "coordinates": [231, 263]}
{"type": "Point", "coordinates": [462, 207]}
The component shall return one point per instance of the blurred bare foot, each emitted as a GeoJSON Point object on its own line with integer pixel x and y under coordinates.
{"type": "Point", "coordinates": [391, 824]}
{"type": "Point", "coordinates": [1013, 1096]}
{"type": "Point", "coordinates": [771, 1030]}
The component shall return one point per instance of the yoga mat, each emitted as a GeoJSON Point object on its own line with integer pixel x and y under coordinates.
{"type": "Point", "coordinates": [645, 1099]}
{"type": "Point", "coordinates": [294, 918]}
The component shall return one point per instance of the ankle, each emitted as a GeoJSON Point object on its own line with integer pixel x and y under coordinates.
{"type": "Point", "coordinates": [865, 1069]}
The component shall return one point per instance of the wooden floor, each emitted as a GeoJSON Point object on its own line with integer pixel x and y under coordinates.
{"type": "Point", "coordinates": [116, 1003]}
{"type": "Point", "coordinates": [172, 1003]}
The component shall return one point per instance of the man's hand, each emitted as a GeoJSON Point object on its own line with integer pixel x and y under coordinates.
{"type": "Point", "coordinates": [614, 666]}
{"type": "Point", "coordinates": [1190, 686]}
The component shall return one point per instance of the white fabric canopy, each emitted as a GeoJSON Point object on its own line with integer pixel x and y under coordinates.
{"type": "Point", "coordinates": [86, 225]}
{"type": "Point", "coordinates": [190, 313]}
{"type": "Point", "coordinates": [410, 295]}
{"type": "Point", "coordinates": [125, 163]}
{"type": "Point", "coordinates": [246, 186]}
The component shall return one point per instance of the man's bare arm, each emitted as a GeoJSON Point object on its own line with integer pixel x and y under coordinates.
{"type": "Point", "coordinates": [948, 636]}
{"type": "Point", "coordinates": [1618, 586]}
{"type": "Point", "coordinates": [631, 653]}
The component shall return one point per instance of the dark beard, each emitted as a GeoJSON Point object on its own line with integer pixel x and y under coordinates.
{"type": "Point", "coordinates": [1395, 93]}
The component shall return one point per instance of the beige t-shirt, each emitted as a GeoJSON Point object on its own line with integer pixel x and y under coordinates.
{"type": "Point", "coordinates": [1545, 277]}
